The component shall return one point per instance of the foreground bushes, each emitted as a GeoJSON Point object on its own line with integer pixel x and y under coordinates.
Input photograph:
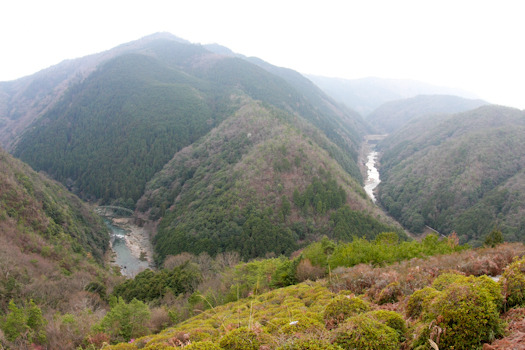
{"type": "Point", "coordinates": [458, 312]}
{"type": "Point", "coordinates": [513, 283]}
{"type": "Point", "coordinates": [424, 303]}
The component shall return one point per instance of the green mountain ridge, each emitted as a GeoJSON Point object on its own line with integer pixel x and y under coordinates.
{"type": "Point", "coordinates": [459, 172]}
{"type": "Point", "coordinates": [109, 134]}
{"type": "Point", "coordinates": [180, 89]}
{"type": "Point", "coordinates": [239, 189]}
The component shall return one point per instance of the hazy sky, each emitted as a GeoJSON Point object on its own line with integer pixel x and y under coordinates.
{"type": "Point", "coordinates": [475, 45]}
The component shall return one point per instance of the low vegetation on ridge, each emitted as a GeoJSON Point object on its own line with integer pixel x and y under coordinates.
{"type": "Point", "coordinates": [411, 304]}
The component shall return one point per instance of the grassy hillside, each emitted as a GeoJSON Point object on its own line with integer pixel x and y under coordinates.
{"type": "Point", "coordinates": [108, 135]}
{"type": "Point", "coordinates": [460, 173]}
{"type": "Point", "coordinates": [393, 115]}
{"type": "Point", "coordinates": [261, 182]}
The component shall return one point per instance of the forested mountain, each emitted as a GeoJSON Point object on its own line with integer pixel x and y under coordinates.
{"type": "Point", "coordinates": [366, 94]}
{"type": "Point", "coordinates": [51, 244]}
{"type": "Point", "coordinates": [391, 116]}
{"type": "Point", "coordinates": [461, 172]}
{"type": "Point", "coordinates": [261, 182]}
{"type": "Point", "coordinates": [24, 100]}
{"type": "Point", "coordinates": [108, 135]}
{"type": "Point", "coordinates": [261, 161]}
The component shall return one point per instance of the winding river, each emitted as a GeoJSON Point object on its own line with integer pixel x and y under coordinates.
{"type": "Point", "coordinates": [369, 157]}
{"type": "Point", "coordinates": [132, 254]}
{"type": "Point", "coordinates": [372, 179]}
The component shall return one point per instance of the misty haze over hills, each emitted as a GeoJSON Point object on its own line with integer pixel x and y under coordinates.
{"type": "Point", "coordinates": [366, 94]}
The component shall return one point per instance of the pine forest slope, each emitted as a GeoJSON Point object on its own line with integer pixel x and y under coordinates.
{"type": "Point", "coordinates": [108, 135]}
{"type": "Point", "coordinates": [461, 172]}
{"type": "Point", "coordinates": [391, 116]}
{"type": "Point", "coordinates": [49, 240]}
{"type": "Point", "coordinates": [261, 182]}
{"type": "Point", "coordinates": [24, 100]}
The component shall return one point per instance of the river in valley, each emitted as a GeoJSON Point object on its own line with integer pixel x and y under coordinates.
{"type": "Point", "coordinates": [372, 178]}
{"type": "Point", "coordinates": [131, 247]}
{"type": "Point", "coordinates": [369, 157]}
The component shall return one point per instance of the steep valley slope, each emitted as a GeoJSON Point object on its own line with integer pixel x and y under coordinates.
{"type": "Point", "coordinates": [110, 134]}
{"type": "Point", "coordinates": [461, 172]}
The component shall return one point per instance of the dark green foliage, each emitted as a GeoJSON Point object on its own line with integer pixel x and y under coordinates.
{"type": "Point", "coordinates": [114, 131]}
{"type": "Point", "coordinates": [350, 223]}
{"type": "Point", "coordinates": [494, 238]}
{"type": "Point", "coordinates": [256, 236]}
{"type": "Point", "coordinates": [125, 321]}
{"type": "Point", "coordinates": [321, 195]}
{"type": "Point", "coordinates": [365, 333]}
{"type": "Point", "coordinates": [153, 285]}
{"type": "Point", "coordinates": [26, 323]}
{"type": "Point", "coordinates": [285, 274]}
{"type": "Point", "coordinates": [96, 287]}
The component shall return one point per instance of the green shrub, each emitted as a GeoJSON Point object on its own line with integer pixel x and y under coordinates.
{"type": "Point", "coordinates": [444, 280]}
{"type": "Point", "coordinates": [365, 333]}
{"type": "Point", "coordinates": [391, 319]}
{"type": "Point", "coordinates": [202, 345]}
{"type": "Point", "coordinates": [125, 321]}
{"type": "Point", "coordinates": [468, 316]}
{"type": "Point", "coordinates": [447, 279]}
{"type": "Point", "coordinates": [513, 283]}
{"type": "Point", "coordinates": [25, 323]}
{"type": "Point", "coordinates": [390, 293]}
{"type": "Point", "coordinates": [420, 300]}
{"type": "Point", "coordinates": [494, 238]}
{"type": "Point", "coordinates": [341, 307]}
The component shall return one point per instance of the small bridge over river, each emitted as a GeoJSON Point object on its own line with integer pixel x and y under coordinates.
{"type": "Point", "coordinates": [114, 211]}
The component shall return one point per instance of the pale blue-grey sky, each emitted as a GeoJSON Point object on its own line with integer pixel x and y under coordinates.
{"type": "Point", "coordinates": [475, 45]}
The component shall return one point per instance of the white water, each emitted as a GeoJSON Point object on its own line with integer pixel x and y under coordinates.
{"type": "Point", "coordinates": [372, 178]}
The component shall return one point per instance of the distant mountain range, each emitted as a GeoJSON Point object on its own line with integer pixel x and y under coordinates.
{"type": "Point", "coordinates": [366, 94]}
{"type": "Point", "coordinates": [393, 115]}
